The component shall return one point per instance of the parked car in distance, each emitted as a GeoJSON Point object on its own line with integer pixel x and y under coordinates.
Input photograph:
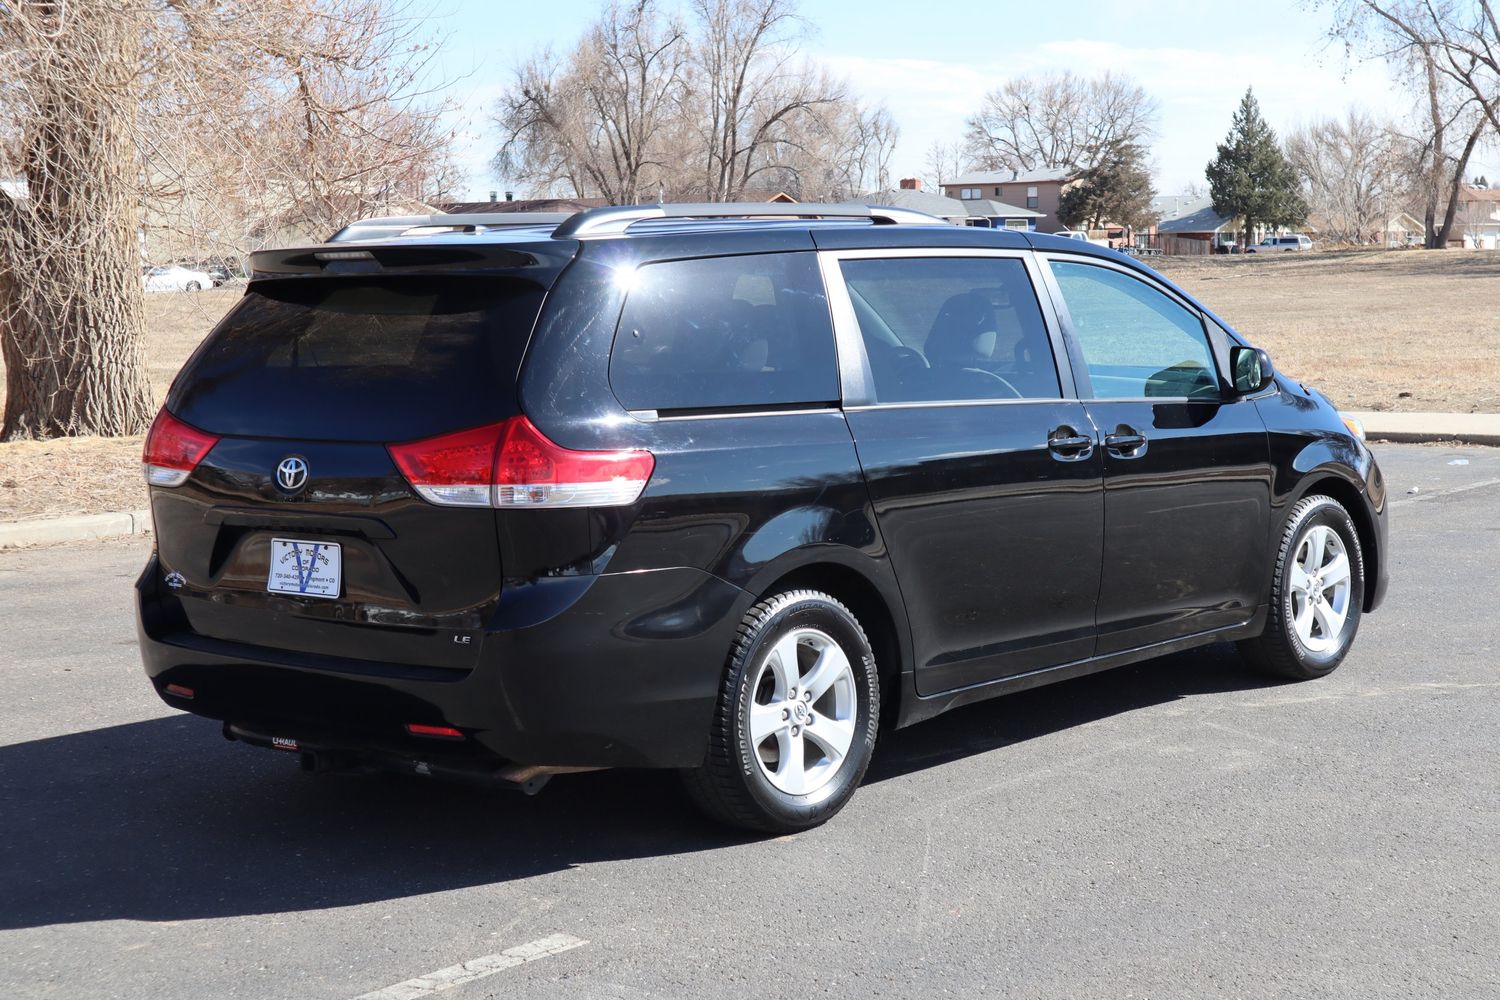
{"type": "Point", "coordinates": [727, 489]}
{"type": "Point", "coordinates": [176, 278]}
{"type": "Point", "coordinates": [1273, 244]}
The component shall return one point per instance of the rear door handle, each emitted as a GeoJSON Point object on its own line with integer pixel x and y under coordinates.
{"type": "Point", "coordinates": [1067, 445]}
{"type": "Point", "coordinates": [1125, 442]}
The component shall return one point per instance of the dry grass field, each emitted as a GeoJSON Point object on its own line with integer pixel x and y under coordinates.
{"type": "Point", "coordinates": [1375, 330]}
{"type": "Point", "coordinates": [1414, 330]}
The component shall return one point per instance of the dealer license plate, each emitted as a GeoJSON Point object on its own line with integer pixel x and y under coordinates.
{"type": "Point", "coordinates": [311, 569]}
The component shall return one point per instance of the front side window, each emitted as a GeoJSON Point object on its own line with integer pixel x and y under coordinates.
{"type": "Point", "coordinates": [725, 332]}
{"type": "Point", "coordinates": [951, 328]}
{"type": "Point", "coordinates": [1136, 341]}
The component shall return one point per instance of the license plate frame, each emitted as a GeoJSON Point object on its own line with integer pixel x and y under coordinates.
{"type": "Point", "coordinates": [301, 567]}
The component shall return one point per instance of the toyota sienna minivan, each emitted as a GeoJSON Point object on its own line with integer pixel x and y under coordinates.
{"type": "Point", "coordinates": [725, 489]}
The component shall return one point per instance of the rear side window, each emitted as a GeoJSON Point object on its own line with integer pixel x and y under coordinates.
{"type": "Point", "coordinates": [951, 328]}
{"type": "Point", "coordinates": [1137, 341]}
{"type": "Point", "coordinates": [354, 359]}
{"type": "Point", "coordinates": [725, 332]}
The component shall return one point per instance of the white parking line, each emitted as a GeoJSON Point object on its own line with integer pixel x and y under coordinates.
{"type": "Point", "coordinates": [478, 968]}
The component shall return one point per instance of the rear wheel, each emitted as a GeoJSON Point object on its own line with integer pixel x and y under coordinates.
{"type": "Point", "coordinates": [1317, 594]}
{"type": "Point", "coordinates": [796, 719]}
{"type": "Point", "coordinates": [193, 286]}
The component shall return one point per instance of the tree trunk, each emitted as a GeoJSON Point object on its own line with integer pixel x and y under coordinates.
{"type": "Point", "coordinates": [1456, 186]}
{"type": "Point", "coordinates": [70, 283]}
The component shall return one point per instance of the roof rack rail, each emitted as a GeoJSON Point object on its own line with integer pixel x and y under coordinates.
{"type": "Point", "coordinates": [383, 226]}
{"type": "Point", "coordinates": [616, 220]}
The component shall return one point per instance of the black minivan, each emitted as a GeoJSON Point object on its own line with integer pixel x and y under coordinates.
{"type": "Point", "coordinates": [723, 488]}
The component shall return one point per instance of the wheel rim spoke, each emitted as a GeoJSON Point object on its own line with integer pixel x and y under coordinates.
{"type": "Point", "coordinates": [765, 720]}
{"type": "Point", "coordinates": [791, 769]}
{"type": "Point", "coordinates": [1329, 620]}
{"type": "Point", "coordinates": [783, 663]}
{"type": "Point", "coordinates": [1336, 572]}
{"type": "Point", "coordinates": [831, 665]}
{"type": "Point", "coordinates": [1304, 620]}
{"type": "Point", "coordinates": [834, 735]}
{"type": "Point", "coordinates": [1300, 580]}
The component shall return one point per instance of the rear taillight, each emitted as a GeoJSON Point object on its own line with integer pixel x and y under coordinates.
{"type": "Point", "coordinates": [512, 464]}
{"type": "Point", "coordinates": [173, 450]}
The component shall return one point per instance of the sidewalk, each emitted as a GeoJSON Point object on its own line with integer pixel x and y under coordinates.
{"type": "Point", "coordinates": [1410, 428]}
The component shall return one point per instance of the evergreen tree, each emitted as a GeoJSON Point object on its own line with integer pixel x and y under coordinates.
{"type": "Point", "coordinates": [1117, 189]}
{"type": "Point", "coordinates": [1251, 178]}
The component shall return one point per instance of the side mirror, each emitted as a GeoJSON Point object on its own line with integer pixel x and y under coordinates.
{"type": "Point", "coordinates": [1252, 369]}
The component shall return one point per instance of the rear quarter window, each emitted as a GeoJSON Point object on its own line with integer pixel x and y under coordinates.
{"type": "Point", "coordinates": [725, 333]}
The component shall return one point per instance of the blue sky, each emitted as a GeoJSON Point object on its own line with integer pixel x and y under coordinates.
{"type": "Point", "coordinates": [931, 63]}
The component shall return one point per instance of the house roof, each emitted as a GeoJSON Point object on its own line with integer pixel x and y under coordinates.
{"type": "Point", "coordinates": [1481, 194]}
{"type": "Point", "coordinates": [1048, 175]}
{"type": "Point", "coordinates": [998, 210]}
{"type": "Point", "coordinates": [1196, 217]}
{"type": "Point", "coordinates": [918, 201]}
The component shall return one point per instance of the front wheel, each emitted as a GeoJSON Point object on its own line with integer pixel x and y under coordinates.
{"type": "Point", "coordinates": [1317, 594]}
{"type": "Point", "coordinates": [193, 286]}
{"type": "Point", "coordinates": [796, 720]}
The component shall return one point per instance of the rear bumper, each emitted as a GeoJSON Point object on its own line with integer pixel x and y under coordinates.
{"type": "Point", "coordinates": [613, 670]}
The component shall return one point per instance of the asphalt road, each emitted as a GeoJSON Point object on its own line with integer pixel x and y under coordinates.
{"type": "Point", "coordinates": [1182, 828]}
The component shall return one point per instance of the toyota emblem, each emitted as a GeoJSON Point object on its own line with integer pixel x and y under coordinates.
{"type": "Point", "coordinates": [291, 474]}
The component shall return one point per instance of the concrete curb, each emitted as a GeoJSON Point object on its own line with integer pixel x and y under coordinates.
{"type": "Point", "coordinates": [1432, 428]}
{"type": "Point", "coordinates": [77, 528]}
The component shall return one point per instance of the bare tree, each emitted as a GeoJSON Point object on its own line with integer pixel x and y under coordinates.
{"type": "Point", "coordinates": [757, 97]}
{"type": "Point", "coordinates": [212, 123]}
{"type": "Point", "coordinates": [1352, 171]}
{"type": "Point", "coordinates": [70, 295]}
{"type": "Point", "coordinates": [943, 164]}
{"type": "Point", "coordinates": [1449, 51]}
{"type": "Point", "coordinates": [643, 106]}
{"type": "Point", "coordinates": [599, 121]}
{"type": "Point", "coordinates": [1059, 120]}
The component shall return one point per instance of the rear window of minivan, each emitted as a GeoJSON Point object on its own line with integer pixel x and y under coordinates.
{"type": "Point", "coordinates": [357, 359]}
{"type": "Point", "coordinates": [725, 333]}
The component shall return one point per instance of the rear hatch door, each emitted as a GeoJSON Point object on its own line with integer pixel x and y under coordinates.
{"type": "Point", "coordinates": [297, 530]}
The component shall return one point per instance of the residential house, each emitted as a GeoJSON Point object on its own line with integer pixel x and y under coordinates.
{"type": "Point", "coordinates": [1478, 218]}
{"type": "Point", "coordinates": [981, 212]}
{"type": "Point", "coordinates": [1038, 191]}
{"type": "Point", "coordinates": [1190, 225]}
{"type": "Point", "coordinates": [911, 196]}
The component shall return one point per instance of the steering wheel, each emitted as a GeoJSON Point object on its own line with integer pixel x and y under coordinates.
{"type": "Point", "coordinates": [991, 375]}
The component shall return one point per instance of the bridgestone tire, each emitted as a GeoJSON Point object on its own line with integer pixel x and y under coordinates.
{"type": "Point", "coordinates": [732, 785]}
{"type": "Point", "coordinates": [1279, 649]}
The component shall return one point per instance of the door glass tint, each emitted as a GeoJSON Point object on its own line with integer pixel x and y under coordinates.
{"type": "Point", "coordinates": [951, 328]}
{"type": "Point", "coordinates": [1137, 342]}
{"type": "Point", "coordinates": [357, 359]}
{"type": "Point", "coordinates": [725, 332]}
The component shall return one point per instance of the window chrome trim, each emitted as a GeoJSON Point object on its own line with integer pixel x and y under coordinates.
{"type": "Point", "coordinates": [667, 418]}
{"type": "Point", "coordinates": [855, 377]}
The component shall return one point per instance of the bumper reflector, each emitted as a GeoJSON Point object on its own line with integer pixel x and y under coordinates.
{"type": "Point", "coordinates": [178, 691]}
{"type": "Point", "coordinates": [441, 732]}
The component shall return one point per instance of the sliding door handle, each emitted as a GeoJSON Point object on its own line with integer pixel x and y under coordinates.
{"type": "Point", "coordinates": [1067, 445]}
{"type": "Point", "coordinates": [1125, 442]}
